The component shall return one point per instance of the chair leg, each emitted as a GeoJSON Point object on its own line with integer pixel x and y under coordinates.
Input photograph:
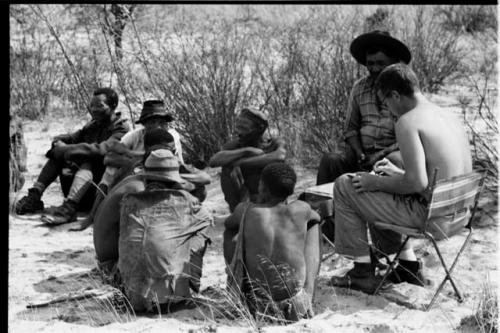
{"type": "Point", "coordinates": [325, 257]}
{"type": "Point", "coordinates": [447, 271]}
{"type": "Point", "coordinates": [391, 263]}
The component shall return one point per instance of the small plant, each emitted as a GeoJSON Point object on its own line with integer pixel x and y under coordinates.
{"type": "Point", "coordinates": [487, 309]}
{"type": "Point", "coordinates": [485, 317]}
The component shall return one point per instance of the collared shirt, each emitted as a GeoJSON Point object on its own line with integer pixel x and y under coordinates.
{"type": "Point", "coordinates": [367, 118]}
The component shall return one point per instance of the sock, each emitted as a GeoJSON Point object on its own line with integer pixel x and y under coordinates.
{"type": "Point", "coordinates": [363, 259]}
{"type": "Point", "coordinates": [80, 185]}
{"type": "Point", "coordinates": [40, 187]}
{"type": "Point", "coordinates": [408, 255]}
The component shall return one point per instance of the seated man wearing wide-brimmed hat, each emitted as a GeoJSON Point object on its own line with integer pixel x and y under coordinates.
{"type": "Point", "coordinates": [124, 156]}
{"type": "Point", "coordinates": [156, 244]}
{"type": "Point", "coordinates": [369, 126]}
{"type": "Point", "coordinates": [243, 158]}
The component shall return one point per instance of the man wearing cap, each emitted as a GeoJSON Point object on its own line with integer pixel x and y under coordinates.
{"type": "Point", "coordinates": [77, 159]}
{"type": "Point", "coordinates": [122, 157]}
{"type": "Point", "coordinates": [369, 126]}
{"type": "Point", "coordinates": [243, 158]}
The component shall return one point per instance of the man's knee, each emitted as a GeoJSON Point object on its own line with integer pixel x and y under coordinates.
{"type": "Point", "coordinates": [342, 184]}
{"type": "Point", "coordinates": [329, 159]}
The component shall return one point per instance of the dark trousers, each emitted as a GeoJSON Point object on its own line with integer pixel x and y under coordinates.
{"type": "Point", "coordinates": [53, 168]}
{"type": "Point", "coordinates": [333, 165]}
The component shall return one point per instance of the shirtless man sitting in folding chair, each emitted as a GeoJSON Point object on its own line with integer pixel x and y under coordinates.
{"type": "Point", "coordinates": [273, 249]}
{"type": "Point", "coordinates": [428, 137]}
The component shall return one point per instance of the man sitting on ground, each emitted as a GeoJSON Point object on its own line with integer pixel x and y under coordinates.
{"type": "Point", "coordinates": [429, 137]}
{"type": "Point", "coordinates": [124, 156]}
{"type": "Point", "coordinates": [77, 159]}
{"type": "Point", "coordinates": [273, 249]}
{"type": "Point", "coordinates": [243, 158]}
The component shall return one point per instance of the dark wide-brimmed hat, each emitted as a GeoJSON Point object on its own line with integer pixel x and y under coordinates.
{"type": "Point", "coordinates": [362, 43]}
{"type": "Point", "coordinates": [161, 164]}
{"type": "Point", "coordinates": [154, 108]}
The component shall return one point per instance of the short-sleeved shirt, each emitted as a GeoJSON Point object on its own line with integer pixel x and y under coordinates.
{"type": "Point", "coordinates": [251, 175]}
{"type": "Point", "coordinates": [368, 118]}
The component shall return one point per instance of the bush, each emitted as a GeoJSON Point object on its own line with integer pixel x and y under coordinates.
{"type": "Point", "coordinates": [207, 62]}
{"type": "Point", "coordinates": [469, 19]}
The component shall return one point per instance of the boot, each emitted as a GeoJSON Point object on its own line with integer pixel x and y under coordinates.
{"type": "Point", "coordinates": [409, 271]}
{"type": "Point", "coordinates": [30, 203]}
{"type": "Point", "coordinates": [65, 213]}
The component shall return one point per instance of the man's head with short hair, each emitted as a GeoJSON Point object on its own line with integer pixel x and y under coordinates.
{"type": "Point", "coordinates": [396, 87]}
{"type": "Point", "coordinates": [158, 137]}
{"type": "Point", "coordinates": [398, 77]}
{"type": "Point", "coordinates": [251, 123]}
{"type": "Point", "coordinates": [279, 179]}
{"type": "Point", "coordinates": [111, 96]}
{"type": "Point", "coordinates": [102, 105]}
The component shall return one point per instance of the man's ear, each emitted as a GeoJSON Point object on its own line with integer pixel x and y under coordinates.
{"type": "Point", "coordinates": [396, 95]}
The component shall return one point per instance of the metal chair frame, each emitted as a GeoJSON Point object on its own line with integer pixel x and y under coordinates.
{"type": "Point", "coordinates": [424, 233]}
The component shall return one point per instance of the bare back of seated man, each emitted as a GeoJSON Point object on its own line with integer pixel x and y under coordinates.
{"type": "Point", "coordinates": [279, 251]}
{"type": "Point", "coordinates": [278, 233]}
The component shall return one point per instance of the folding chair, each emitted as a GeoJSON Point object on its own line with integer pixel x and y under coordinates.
{"type": "Point", "coordinates": [320, 197]}
{"type": "Point", "coordinates": [451, 209]}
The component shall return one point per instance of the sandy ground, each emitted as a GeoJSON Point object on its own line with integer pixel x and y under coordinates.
{"type": "Point", "coordinates": [47, 262]}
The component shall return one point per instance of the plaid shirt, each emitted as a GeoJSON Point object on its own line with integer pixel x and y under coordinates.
{"type": "Point", "coordinates": [369, 119]}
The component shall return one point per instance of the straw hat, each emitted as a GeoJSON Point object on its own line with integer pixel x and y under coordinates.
{"type": "Point", "coordinates": [162, 165]}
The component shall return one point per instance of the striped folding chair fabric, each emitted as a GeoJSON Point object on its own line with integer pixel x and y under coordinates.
{"type": "Point", "coordinates": [451, 209]}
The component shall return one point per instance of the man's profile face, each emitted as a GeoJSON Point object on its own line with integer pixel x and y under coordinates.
{"type": "Point", "coordinates": [155, 122]}
{"type": "Point", "coordinates": [388, 100]}
{"type": "Point", "coordinates": [99, 108]}
{"type": "Point", "coordinates": [244, 127]}
{"type": "Point", "coordinates": [376, 62]}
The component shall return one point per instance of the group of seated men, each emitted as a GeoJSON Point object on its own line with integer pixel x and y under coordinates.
{"type": "Point", "coordinates": [395, 137]}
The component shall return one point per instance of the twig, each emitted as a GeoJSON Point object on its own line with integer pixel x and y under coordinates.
{"type": "Point", "coordinates": [82, 91]}
{"type": "Point", "coordinates": [70, 297]}
{"type": "Point", "coordinates": [116, 66]}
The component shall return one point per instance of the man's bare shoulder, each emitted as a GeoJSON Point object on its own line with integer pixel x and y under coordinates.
{"type": "Point", "coordinates": [299, 205]}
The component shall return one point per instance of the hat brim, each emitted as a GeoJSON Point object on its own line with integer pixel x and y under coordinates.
{"type": "Point", "coordinates": [161, 176]}
{"type": "Point", "coordinates": [168, 117]}
{"type": "Point", "coordinates": [360, 44]}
